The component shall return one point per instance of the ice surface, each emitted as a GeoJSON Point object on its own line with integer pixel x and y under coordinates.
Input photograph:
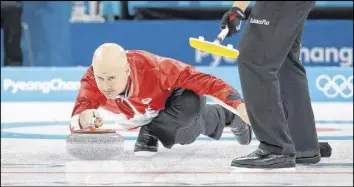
{"type": "Point", "coordinates": [34, 153]}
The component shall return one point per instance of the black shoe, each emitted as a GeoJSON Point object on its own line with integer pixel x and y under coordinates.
{"type": "Point", "coordinates": [308, 157]}
{"type": "Point", "coordinates": [264, 159]}
{"type": "Point", "coordinates": [314, 157]}
{"type": "Point", "coordinates": [241, 131]}
{"type": "Point", "coordinates": [146, 144]}
{"type": "Point", "coordinates": [308, 160]}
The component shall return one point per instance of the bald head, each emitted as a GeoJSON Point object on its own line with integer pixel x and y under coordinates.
{"type": "Point", "coordinates": [109, 55]}
{"type": "Point", "coordinates": [111, 69]}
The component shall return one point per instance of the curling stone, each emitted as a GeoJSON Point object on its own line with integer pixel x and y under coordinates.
{"type": "Point", "coordinates": [97, 144]}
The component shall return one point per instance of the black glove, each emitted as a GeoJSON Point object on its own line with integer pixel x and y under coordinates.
{"type": "Point", "coordinates": [232, 19]}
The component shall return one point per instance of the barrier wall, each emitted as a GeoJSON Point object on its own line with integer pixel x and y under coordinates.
{"type": "Point", "coordinates": [62, 84]}
{"type": "Point", "coordinates": [325, 43]}
{"type": "Point", "coordinates": [55, 42]}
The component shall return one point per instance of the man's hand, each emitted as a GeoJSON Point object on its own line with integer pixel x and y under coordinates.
{"type": "Point", "coordinates": [232, 19]}
{"type": "Point", "coordinates": [88, 117]}
{"type": "Point", "coordinates": [241, 108]}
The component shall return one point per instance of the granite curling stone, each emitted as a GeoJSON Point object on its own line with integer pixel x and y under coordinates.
{"type": "Point", "coordinates": [95, 145]}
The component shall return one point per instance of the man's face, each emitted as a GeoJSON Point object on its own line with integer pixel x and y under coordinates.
{"type": "Point", "coordinates": [111, 81]}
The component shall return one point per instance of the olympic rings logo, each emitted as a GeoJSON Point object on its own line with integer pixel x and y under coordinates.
{"type": "Point", "coordinates": [336, 85]}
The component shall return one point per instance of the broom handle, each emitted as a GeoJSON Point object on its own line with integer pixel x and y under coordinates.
{"type": "Point", "coordinates": [221, 103]}
{"type": "Point", "coordinates": [222, 35]}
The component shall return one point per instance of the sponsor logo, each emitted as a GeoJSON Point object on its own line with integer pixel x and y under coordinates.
{"type": "Point", "coordinates": [315, 56]}
{"type": "Point", "coordinates": [238, 27]}
{"type": "Point", "coordinates": [200, 57]}
{"type": "Point", "coordinates": [146, 101]}
{"type": "Point", "coordinates": [45, 87]}
{"type": "Point", "coordinates": [322, 55]}
{"type": "Point", "coordinates": [259, 22]}
{"type": "Point", "coordinates": [335, 86]}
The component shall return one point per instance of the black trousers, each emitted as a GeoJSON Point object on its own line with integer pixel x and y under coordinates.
{"type": "Point", "coordinates": [11, 12]}
{"type": "Point", "coordinates": [273, 80]}
{"type": "Point", "coordinates": [186, 116]}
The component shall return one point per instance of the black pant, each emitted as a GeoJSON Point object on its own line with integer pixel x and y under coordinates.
{"type": "Point", "coordinates": [11, 12]}
{"type": "Point", "coordinates": [186, 116]}
{"type": "Point", "coordinates": [273, 80]}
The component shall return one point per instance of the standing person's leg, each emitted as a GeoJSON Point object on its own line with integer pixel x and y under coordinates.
{"type": "Point", "coordinates": [11, 12]}
{"type": "Point", "coordinates": [266, 41]}
{"type": "Point", "coordinates": [297, 106]}
{"type": "Point", "coordinates": [185, 117]}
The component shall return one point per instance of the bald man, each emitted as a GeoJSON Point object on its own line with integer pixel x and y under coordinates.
{"type": "Point", "coordinates": [163, 96]}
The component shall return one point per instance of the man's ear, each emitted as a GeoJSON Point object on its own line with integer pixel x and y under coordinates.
{"type": "Point", "coordinates": [127, 69]}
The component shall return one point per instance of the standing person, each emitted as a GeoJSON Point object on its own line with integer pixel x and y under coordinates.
{"type": "Point", "coordinates": [11, 12]}
{"type": "Point", "coordinates": [274, 83]}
